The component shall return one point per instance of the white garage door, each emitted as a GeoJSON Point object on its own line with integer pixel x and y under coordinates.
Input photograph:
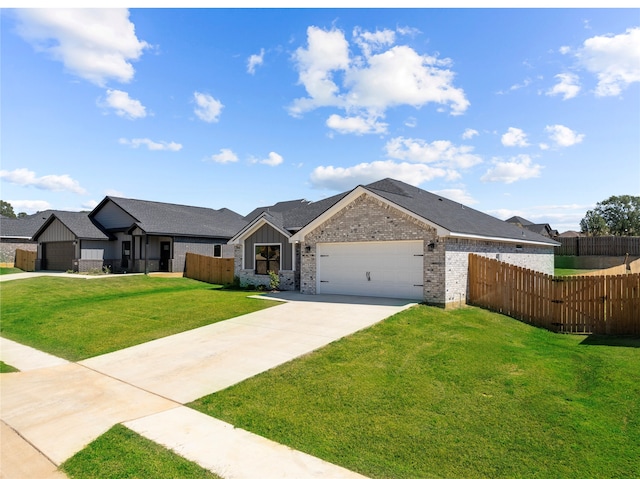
{"type": "Point", "coordinates": [391, 269]}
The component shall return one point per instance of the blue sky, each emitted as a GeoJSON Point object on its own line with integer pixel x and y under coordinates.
{"type": "Point", "coordinates": [530, 112]}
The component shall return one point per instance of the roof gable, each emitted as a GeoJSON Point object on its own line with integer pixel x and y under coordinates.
{"type": "Point", "coordinates": [275, 221]}
{"type": "Point", "coordinates": [78, 223]}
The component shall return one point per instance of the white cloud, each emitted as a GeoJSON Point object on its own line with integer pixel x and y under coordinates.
{"type": "Point", "coordinates": [469, 133]}
{"type": "Point", "coordinates": [94, 44]}
{"type": "Point", "coordinates": [29, 206]}
{"type": "Point", "coordinates": [208, 108]}
{"type": "Point", "coordinates": [614, 59]}
{"type": "Point", "coordinates": [563, 136]}
{"type": "Point", "coordinates": [25, 177]}
{"type": "Point", "coordinates": [373, 41]}
{"type": "Point", "coordinates": [340, 179]}
{"type": "Point", "coordinates": [441, 153]}
{"type": "Point", "coordinates": [225, 156]}
{"type": "Point", "coordinates": [400, 76]}
{"type": "Point", "coordinates": [255, 61]}
{"type": "Point", "coordinates": [365, 86]}
{"type": "Point", "coordinates": [150, 144]}
{"type": "Point", "coordinates": [356, 124]}
{"type": "Point", "coordinates": [568, 86]}
{"type": "Point", "coordinates": [326, 52]}
{"type": "Point", "coordinates": [519, 168]}
{"type": "Point", "coordinates": [456, 194]}
{"type": "Point", "coordinates": [411, 122]}
{"type": "Point", "coordinates": [515, 137]}
{"type": "Point", "coordinates": [124, 105]}
{"type": "Point", "coordinates": [274, 159]}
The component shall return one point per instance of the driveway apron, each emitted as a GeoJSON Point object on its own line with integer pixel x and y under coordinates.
{"type": "Point", "coordinates": [60, 408]}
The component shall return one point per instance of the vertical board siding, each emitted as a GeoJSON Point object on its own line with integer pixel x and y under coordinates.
{"type": "Point", "coordinates": [573, 304]}
{"type": "Point", "coordinates": [25, 260]}
{"type": "Point", "coordinates": [268, 235]}
{"type": "Point", "coordinates": [209, 269]}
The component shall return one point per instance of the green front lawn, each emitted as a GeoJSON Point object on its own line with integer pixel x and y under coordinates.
{"type": "Point", "coordinates": [570, 271]}
{"type": "Point", "coordinates": [10, 271]}
{"type": "Point", "coordinates": [121, 453]}
{"type": "Point", "coordinates": [437, 394]}
{"type": "Point", "coordinates": [76, 319]}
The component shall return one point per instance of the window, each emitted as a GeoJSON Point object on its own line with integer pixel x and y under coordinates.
{"type": "Point", "coordinates": [267, 258]}
{"type": "Point", "coordinates": [217, 250]}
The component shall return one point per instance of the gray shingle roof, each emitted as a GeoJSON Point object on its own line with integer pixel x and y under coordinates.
{"type": "Point", "coordinates": [24, 227]}
{"type": "Point", "coordinates": [179, 220]}
{"type": "Point", "coordinates": [78, 223]}
{"type": "Point", "coordinates": [450, 215]}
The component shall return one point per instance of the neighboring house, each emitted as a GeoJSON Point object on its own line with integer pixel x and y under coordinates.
{"type": "Point", "coordinates": [128, 235]}
{"type": "Point", "coordinates": [67, 239]}
{"type": "Point", "coordinates": [16, 233]}
{"type": "Point", "coordinates": [543, 229]}
{"type": "Point", "coordinates": [385, 239]}
{"type": "Point", "coordinates": [570, 234]}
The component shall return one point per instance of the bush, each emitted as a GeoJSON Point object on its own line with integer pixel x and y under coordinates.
{"type": "Point", "coordinates": [274, 280]}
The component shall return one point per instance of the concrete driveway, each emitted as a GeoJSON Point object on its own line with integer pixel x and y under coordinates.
{"type": "Point", "coordinates": [59, 409]}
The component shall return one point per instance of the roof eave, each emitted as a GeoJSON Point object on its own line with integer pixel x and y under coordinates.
{"type": "Point", "coordinates": [502, 239]}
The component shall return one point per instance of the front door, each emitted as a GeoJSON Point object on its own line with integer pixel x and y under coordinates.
{"type": "Point", "coordinates": [165, 255]}
{"type": "Point", "coordinates": [126, 255]}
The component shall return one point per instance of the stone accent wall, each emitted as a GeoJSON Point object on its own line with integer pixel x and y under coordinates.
{"type": "Point", "coordinates": [457, 263]}
{"type": "Point", "coordinates": [367, 219]}
{"type": "Point", "coordinates": [90, 265]}
{"type": "Point", "coordinates": [8, 249]}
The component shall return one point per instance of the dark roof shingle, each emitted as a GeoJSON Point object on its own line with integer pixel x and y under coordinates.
{"type": "Point", "coordinates": [179, 220]}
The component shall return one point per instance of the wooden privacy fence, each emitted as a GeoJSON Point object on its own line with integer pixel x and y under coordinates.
{"type": "Point", "coordinates": [25, 260]}
{"type": "Point", "coordinates": [572, 304]}
{"type": "Point", "coordinates": [599, 246]}
{"type": "Point", "coordinates": [209, 269]}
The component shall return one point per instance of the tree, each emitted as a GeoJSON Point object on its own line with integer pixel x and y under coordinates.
{"type": "Point", "coordinates": [6, 209]}
{"type": "Point", "coordinates": [593, 224]}
{"type": "Point", "coordinates": [617, 215]}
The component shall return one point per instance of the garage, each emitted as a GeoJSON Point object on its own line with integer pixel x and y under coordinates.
{"type": "Point", "coordinates": [392, 269]}
{"type": "Point", "coordinates": [58, 256]}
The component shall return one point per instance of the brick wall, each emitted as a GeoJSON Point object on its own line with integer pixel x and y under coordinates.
{"type": "Point", "coordinates": [367, 219]}
{"type": "Point", "coordinates": [457, 262]}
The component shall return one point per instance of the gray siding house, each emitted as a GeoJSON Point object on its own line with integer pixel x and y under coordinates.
{"type": "Point", "coordinates": [129, 235]}
{"type": "Point", "coordinates": [383, 239]}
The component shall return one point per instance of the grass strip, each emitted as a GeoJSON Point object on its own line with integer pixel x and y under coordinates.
{"type": "Point", "coordinates": [7, 368]}
{"type": "Point", "coordinates": [77, 319]}
{"type": "Point", "coordinates": [4, 270]}
{"type": "Point", "coordinates": [122, 453]}
{"type": "Point", "coordinates": [448, 394]}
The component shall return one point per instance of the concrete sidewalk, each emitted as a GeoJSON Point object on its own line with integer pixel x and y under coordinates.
{"type": "Point", "coordinates": [59, 409]}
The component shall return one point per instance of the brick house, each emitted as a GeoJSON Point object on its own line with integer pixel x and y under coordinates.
{"type": "Point", "coordinates": [387, 238]}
